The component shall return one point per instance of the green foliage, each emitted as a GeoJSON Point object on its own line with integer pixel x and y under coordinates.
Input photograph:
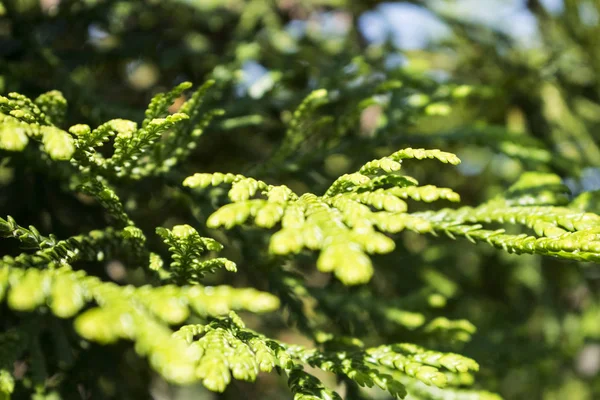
{"type": "Point", "coordinates": [342, 265]}
{"type": "Point", "coordinates": [340, 224]}
{"type": "Point", "coordinates": [187, 248]}
{"type": "Point", "coordinates": [124, 312]}
{"type": "Point", "coordinates": [229, 350]}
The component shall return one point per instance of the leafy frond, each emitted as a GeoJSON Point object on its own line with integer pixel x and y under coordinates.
{"type": "Point", "coordinates": [24, 109]}
{"type": "Point", "coordinates": [557, 231]}
{"type": "Point", "coordinates": [341, 223]}
{"type": "Point", "coordinates": [93, 246]}
{"type": "Point", "coordinates": [15, 134]}
{"type": "Point", "coordinates": [88, 140]}
{"type": "Point", "coordinates": [129, 145]}
{"type": "Point", "coordinates": [162, 140]}
{"type": "Point", "coordinates": [53, 105]}
{"type": "Point", "coordinates": [108, 199]}
{"type": "Point", "coordinates": [229, 350]}
{"type": "Point", "coordinates": [187, 247]}
{"type": "Point", "coordinates": [159, 105]}
{"type": "Point", "coordinates": [307, 387]}
{"type": "Point", "coordinates": [125, 312]}
{"type": "Point", "coordinates": [420, 363]}
{"type": "Point", "coordinates": [30, 238]}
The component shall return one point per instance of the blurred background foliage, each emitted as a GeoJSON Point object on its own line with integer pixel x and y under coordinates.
{"type": "Point", "coordinates": [509, 85]}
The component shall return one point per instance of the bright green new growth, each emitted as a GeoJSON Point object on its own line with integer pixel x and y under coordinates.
{"type": "Point", "coordinates": [345, 223]}
{"type": "Point", "coordinates": [142, 314]}
{"type": "Point", "coordinates": [227, 349]}
{"type": "Point", "coordinates": [557, 231]}
{"type": "Point", "coordinates": [124, 312]}
{"type": "Point", "coordinates": [341, 223]}
{"type": "Point", "coordinates": [162, 141]}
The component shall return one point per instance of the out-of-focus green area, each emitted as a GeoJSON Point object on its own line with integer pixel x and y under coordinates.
{"type": "Point", "coordinates": [506, 101]}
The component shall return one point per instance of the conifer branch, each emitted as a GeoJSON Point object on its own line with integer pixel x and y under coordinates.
{"type": "Point", "coordinates": [187, 248]}
{"type": "Point", "coordinates": [338, 223]}
{"type": "Point", "coordinates": [227, 349]}
{"type": "Point", "coordinates": [30, 238]}
{"type": "Point", "coordinates": [125, 312]}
